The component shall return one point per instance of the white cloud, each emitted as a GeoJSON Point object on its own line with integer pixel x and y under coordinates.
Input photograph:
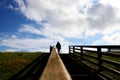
{"type": "Point", "coordinates": [12, 8]}
{"type": "Point", "coordinates": [63, 16]}
{"type": "Point", "coordinates": [30, 29]}
{"type": "Point", "coordinates": [110, 39]}
{"type": "Point", "coordinates": [12, 50]}
{"type": "Point", "coordinates": [101, 16]}
{"type": "Point", "coordinates": [32, 44]}
{"type": "Point", "coordinates": [71, 18]}
{"type": "Point", "coordinates": [26, 44]}
{"type": "Point", "coordinates": [114, 3]}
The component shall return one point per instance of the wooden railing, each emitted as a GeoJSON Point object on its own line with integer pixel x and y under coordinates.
{"type": "Point", "coordinates": [99, 59]}
{"type": "Point", "coordinates": [55, 69]}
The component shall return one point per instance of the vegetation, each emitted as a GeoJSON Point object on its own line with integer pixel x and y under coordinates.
{"type": "Point", "coordinates": [12, 62]}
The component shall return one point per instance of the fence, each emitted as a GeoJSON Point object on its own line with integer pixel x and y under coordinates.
{"type": "Point", "coordinates": [99, 59]}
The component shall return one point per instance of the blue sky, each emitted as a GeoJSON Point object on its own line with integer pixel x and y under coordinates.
{"type": "Point", "coordinates": [28, 25]}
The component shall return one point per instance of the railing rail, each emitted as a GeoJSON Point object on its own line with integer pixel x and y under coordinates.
{"type": "Point", "coordinates": [100, 56]}
{"type": "Point", "coordinates": [55, 69]}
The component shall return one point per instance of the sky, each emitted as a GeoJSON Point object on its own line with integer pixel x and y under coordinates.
{"type": "Point", "coordinates": [34, 25]}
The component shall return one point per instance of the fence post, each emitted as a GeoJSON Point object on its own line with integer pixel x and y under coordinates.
{"type": "Point", "coordinates": [99, 59]}
{"type": "Point", "coordinates": [108, 49]}
{"type": "Point", "coordinates": [69, 49]}
{"type": "Point", "coordinates": [81, 52]}
{"type": "Point", "coordinates": [73, 49]}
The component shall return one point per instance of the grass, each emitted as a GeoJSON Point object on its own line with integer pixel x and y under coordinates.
{"type": "Point", "coordinates": [112, 58]}
{"type": "Point", "coordinates": [115, 77]}
{"type": "Point", "coordinates": [11, 63]}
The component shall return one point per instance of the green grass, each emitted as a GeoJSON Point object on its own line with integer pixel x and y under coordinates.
{"type": "Point", "coordinates": [112, 58]}
{"type": "Point", "coordinates": [11, 63]}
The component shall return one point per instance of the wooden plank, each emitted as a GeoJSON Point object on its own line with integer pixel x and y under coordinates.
{"type": "Point", "coordinates": [111, 69]}
{"type": "Point", "coordinates": [55, 69]}
{"type": "Point", "coordinates": [111, 62]}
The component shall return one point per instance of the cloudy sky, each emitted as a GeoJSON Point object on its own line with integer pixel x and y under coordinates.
{"type": "Point", "coordinates": [34, 25]}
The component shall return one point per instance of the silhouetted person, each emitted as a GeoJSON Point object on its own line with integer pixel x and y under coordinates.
{"type": "Point", "coordinates": [58, 46]}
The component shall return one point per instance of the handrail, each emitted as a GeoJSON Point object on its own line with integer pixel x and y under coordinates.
{"type": "Point", "coordinates": [94, 53]}
{"type": "Point", "coordinates": [55, 69]}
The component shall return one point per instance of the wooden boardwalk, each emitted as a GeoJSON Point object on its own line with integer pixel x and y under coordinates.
{"type": "Point", "coordinates": [55, 69]}
{"type": "Point", "coordinates": [51, 67]}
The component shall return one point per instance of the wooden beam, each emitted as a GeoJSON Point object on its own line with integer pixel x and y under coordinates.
{"type": "Point", "coordinates": [55, 69]}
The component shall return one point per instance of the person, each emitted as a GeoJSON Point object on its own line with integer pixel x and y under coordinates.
{"type": "Point", "coordinates": [58, 46]}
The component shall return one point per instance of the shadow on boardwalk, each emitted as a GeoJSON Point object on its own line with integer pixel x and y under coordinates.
{"type": "Point", "coordinates": [33, 70]}
{"type": "Point", "coordinates": [76, 70]}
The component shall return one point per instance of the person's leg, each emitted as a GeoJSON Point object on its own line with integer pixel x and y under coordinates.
{"type": "Point", "coordinates": [58, 50]}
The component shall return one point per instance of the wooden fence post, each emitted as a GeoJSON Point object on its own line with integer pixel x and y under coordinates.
{"type": "Point", "coordinates": [81, 52]}
{"type": "Point", "coordinates": [108, 49]}
{"type": "Point", "coordinates": [69, 50]}
{"type": "Point", "coordinates": [99, 59]}
{"type": "Point", "coordinates": [73, 49]}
